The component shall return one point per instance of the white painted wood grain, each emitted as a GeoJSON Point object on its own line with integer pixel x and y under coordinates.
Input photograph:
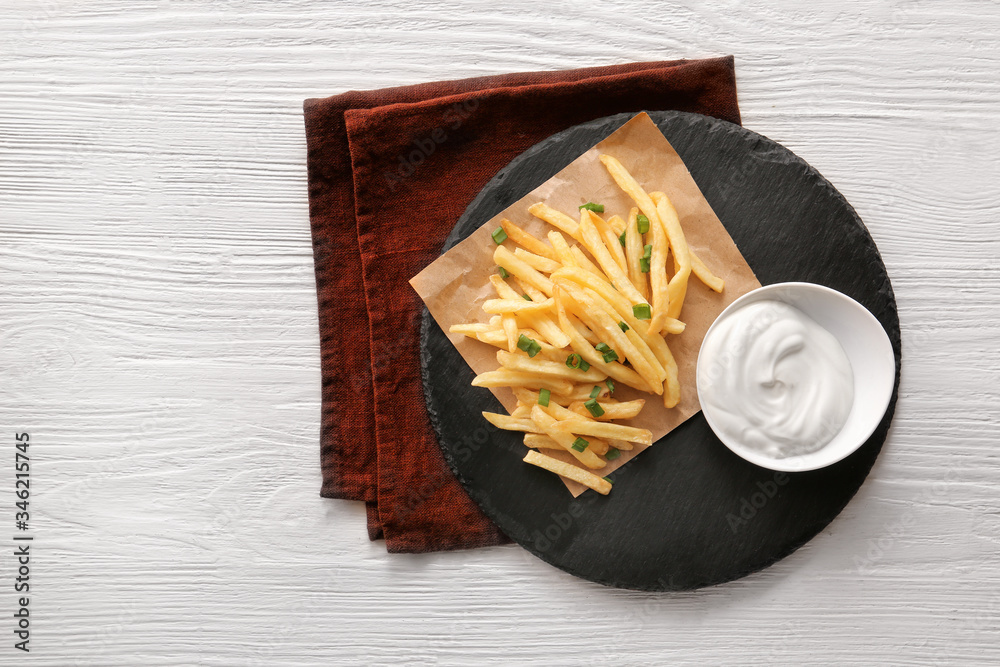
{"type": "Point", "coordinates": [158, 336]}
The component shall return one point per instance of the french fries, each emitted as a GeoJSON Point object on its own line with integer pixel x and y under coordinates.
{"type": "Point", "coordinates": [598, 484]}
{"type": "Point", "coordinates": [580, 310]}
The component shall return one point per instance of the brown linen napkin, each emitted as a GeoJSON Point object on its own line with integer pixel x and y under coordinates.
{"type": "Point", "coordinates": [390, 172]}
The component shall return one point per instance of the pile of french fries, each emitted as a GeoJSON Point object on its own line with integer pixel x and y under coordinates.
{"type": "Point", "coordinates": [575, 316]}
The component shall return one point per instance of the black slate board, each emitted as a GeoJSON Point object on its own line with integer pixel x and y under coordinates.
{"type": "Point", "coordinates": [687, 512]}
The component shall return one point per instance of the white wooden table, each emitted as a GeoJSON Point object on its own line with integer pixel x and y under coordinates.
{"type": "Point", "coordinates": [158, 337]}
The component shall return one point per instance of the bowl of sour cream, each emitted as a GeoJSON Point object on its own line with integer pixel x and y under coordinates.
{"type": "Point", "coordinates": [795, 376]}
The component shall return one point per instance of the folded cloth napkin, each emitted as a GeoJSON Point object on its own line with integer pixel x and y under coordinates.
{"type": "Point", "coordinates": [390, 172]}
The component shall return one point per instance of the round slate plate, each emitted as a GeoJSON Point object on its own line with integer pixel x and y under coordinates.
{"type": "Point", "coordinates": [687, 512]}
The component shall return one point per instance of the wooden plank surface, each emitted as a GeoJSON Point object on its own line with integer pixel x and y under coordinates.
{"type": "Point", "coordinates": [158, 337]}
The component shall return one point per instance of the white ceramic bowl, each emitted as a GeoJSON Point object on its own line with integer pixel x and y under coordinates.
{"type": "Point", "coordinates": [867, 347]}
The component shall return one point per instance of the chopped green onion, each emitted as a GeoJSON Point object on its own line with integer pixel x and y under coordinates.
{"type": "Point", "coordinates": [594, 407]}
{"type": "Point", "coordinates": [608, 480]}
{"type": "Point", "coordinates": [595, 392]}
{"type": "Point", "coordinates": [642, 312]}
{"type": "Point", "coordinates": [612, 454]}
{"type": "Point", "coordinates": [499, 235]}
{"type": "Point", "coordinates": [644, 264]}
{"type": "Point", "coordinates": [503, 272]}
{"type": "Point", "coordinates": [647, 250]}
{"type": "Point", "coordinates": [543, 397]}
{"type": "Point", "coordinates": [621, 239]}
{"type": "Point", "coordinates": [529, 345]}
{"type": "Point", "coordinates": [642, 222]}
{"type": "Point", "coordinates": [580, 444]}
{"type": "Point", "coordinates": [576, 361]}
{"type": "Point", "coordinates": [623, 327]}
{"type": "Point", "coordinates": [526, 297]}
{"type": "Point", "coordinates": [591, 206]}
{"type": "Point", "coordinates": [611, 386]}
{"type": "Point", "coordinates": [609, 354]}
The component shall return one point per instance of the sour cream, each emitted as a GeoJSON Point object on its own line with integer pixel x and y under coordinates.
{"type": "Point", "coordinates": [777, 382]}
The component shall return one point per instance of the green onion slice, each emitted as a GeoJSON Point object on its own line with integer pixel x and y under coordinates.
{"type": "Point", "coordinates": [499, 235]}
{"type": "Point", "coordinates": [642, 312]}
{"type": "Point", "coordinates": [595, 392]}
{"type": "Point", "coordinates": [529, 345]}
{"type": "Point", "coordinates": [594, 407]}
{"type": "Point", "coordinates": [642, 222]}
{"type": "Point", "coordinates": [611, 386]}
{"type": "Point", "coordinates": [621, 239]}
{"type": "Point", "coordinates": [526, 297]}
{"type": "Point", "coordinates": [612, 454]}
{"type": "Point", "coordinates": [580, 444]}
{"type": "Point", "coordinates": [644, 264]}
{"type": "Point", "coordinates": [584, 366]}
{"type": "Point", "coordinates": [602, 347]}
{"type": "Point", "coordinates": [591, 206]}
{"type": "Point", "coordinates": [623, 327]}
{"type": "Point", "coordinates": [503, 272]}
{"type": "Point", "coordinates": [574, 360]}
{"type": "Point", "coordinates": [543, 397]}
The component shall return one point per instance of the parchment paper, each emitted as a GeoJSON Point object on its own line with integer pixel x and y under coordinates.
{"type": "Point", "coordinates": [456, 284]}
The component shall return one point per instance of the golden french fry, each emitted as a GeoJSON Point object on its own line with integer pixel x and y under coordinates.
{"type": "Point", "coordinates": [658, 275]}
{"type": "Point", "coordinates": [568, 471]}
{"type": "Point", "coordinates": [508, 378]}
{"type": "Point", "coordinates": [678, 246]}
{"type": "Point", "coordinates": [535, 294]}
{"type": "Point", "coordinates": [546, 326]}
{"type": "Point", "coordinates": [549, 369]}
{"type": "Point", "coordinates": [621, 305]}
{"type": "Point", "coordinates": [537, 262]}
{"type": "Point", "coordinates": [704, 274]}
{"type": "Point", "coordinates": [526, 240]}
{"type": "Point", "coordinates": [616, 223]}
{"type": "Point", "coordinates": [630, 186]}
{"type": "Point", "coordinates": [509, 323]}
{"type": "Point", "coordinates": [561, 248]}
{"type": "Point", "coordinates": [584, 262]}
{"type": "Point", "coordinates": [633, 254]}
{"type": "Point", "coordinates": [555, 218]}
{"type": "Point", "coordinates": [547, 423]}
{"type": "Point", "coordinates": [504, 291]}
{"type": "Point", "coordinates": [521, 412]}
{"type": "Point", "coordinates": [603, 319]}
{"type": "Point", "coordinates": [612, 410]}
{"type": "Point", "coordinates": [471, 330]}
{"type": "Point", "coordinates": [639, 436]}
{"type": "Point", "coordinates": [587, 308]}
{"type": "Point", "coordinates": [611, 241]}
{"type": "Point", "coordinates": [498, 338]}
{"type": "Point", "coordinates": [621, 444]}
{"type": "Point", "coordinates": [518, 306]}
{"type": "Point", "coordinates": [509, 423]}
{"type": "Point", "coordinates": [671, 386]}
{"type": "Point", "coordinates": [518, 267]}
{"type": "Point", "coordinates": [592, 240]}
{"type": "Point", "coordinates": [539, 441]}
{"type": "Point", "coordinates": [581, 392]}
{"type": "Point", "coordinates": [580, 345]}
{"type": "Point", "coordinates": [530, 397]}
